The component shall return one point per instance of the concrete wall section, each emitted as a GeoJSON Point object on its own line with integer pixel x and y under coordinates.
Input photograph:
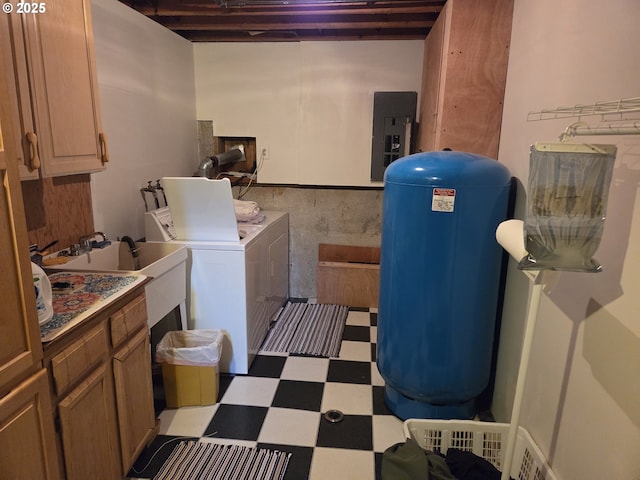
{"type": "Point", "coordinates": [320, 215]}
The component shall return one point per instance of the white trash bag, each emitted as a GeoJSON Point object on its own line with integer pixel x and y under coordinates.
{"type": "Point", "coordinates": [200, 348]}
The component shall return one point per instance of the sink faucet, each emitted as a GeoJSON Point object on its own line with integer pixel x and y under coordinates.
{"type": "Point", "coordinates": [84, 244]}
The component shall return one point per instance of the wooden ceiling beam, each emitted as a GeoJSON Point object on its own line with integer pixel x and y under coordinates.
{"type": "Point", "coordinates": [208, 36]}
{"type": "Point", "coordinates": [209, 20]}
{"type": "Point", "coordinates": [173, 8]}
{"type": "Point", "coordinates": [204, 24]}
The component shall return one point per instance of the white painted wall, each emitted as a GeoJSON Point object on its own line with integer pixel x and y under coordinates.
{"type": "Point", "coordinates": [309, 103]}
{"type": "Point", "coordinates": [582, 397]}
{"type": "Point", "coordinates": [147, 98]}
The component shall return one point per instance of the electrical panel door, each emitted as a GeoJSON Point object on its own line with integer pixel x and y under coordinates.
{"type": "Point", "coordinates": [394, 116]}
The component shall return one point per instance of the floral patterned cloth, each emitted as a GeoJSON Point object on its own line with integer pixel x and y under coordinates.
{"type": "Point", "coordinates": [77, 292]}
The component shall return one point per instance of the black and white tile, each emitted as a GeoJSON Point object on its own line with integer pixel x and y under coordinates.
{"type": "Point", "coordinates": [280, 405]}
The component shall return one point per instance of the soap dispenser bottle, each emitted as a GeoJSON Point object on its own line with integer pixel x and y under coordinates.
{"type": "Point", "coordinates": [42, 287]}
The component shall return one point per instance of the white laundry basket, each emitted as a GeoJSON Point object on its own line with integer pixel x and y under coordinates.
{"type": "Point", "coordinates": [485, 439]}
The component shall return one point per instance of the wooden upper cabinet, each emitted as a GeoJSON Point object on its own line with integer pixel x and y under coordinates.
{"type": "Point", "coordinates": [57, 90]}
{"type": "Point", "coordinates": [464, 77]}
{"type": "Point", "coordinates": [24, 138]}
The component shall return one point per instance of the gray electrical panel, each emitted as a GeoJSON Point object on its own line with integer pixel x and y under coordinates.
{"type": "Point", "coordinates": [394, 115]}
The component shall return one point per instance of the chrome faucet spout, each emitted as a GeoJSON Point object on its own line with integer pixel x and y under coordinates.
{"type": "Point", "coordinates": [86, 242]}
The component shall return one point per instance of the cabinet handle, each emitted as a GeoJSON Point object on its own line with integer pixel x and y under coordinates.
{"type": "Point", "coordinates": [34, 159]}
{"type": "Point", "coordinates": [103, 147]}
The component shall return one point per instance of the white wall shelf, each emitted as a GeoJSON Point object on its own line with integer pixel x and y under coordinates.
{"type": "Point", "coordinates": [611, 114]}
{"type": "Point", "coordinates": [617, 107]}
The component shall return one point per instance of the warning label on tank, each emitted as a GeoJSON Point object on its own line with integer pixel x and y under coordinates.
{"type": "Point", "coordinates": [443, 199]}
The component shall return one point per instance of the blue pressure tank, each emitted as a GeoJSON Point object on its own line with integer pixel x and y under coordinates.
{"type": "Point", "coordinates": [439, 279]}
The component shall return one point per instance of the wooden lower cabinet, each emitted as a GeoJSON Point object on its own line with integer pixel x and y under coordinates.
{"type": "Point", "coordinates": [102, 379]}
{"type": "Point", "coordinates": [26, 432]}
{"type": "Point", "coordinates": [88, 429]}
{"type": "Point", "coordinates": [132, 374]}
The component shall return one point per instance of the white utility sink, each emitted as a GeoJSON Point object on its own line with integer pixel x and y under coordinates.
{"type": "Point", "coordinates": [166, 263]}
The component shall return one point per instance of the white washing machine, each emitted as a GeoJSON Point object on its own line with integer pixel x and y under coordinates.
{"type": "Point", "coordinates": [237, 274]}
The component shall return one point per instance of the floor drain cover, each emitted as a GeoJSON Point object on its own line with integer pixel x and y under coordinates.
{"type": "Point", "coordinates": [333, 416]}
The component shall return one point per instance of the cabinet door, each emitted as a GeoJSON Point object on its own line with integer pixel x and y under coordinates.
{"type": "Point", "coordinates": [26, 432]}
{"type": "Point", "coordinates": [64, 88]}
{"type": "Point", "coordinates": [134, 397]}
{"type": "Point", "coordinates": [25, 139]}
{"type": "Point", "coordinates": [20, 347]}
{"type": "Point", "coordinates": [89, 429]}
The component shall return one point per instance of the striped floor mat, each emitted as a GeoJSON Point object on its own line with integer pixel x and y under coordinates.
{"type": "Point", "coordinates": [308, 329]}
{"type": "Point", "coordinates": [212, 461]}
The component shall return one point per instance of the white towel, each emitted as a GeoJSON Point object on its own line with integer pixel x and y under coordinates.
{"type": "Point", "coordinates": [248, 211]}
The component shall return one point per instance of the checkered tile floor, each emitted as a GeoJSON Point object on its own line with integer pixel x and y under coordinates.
{"type": "Point", "coordinates": [280, 405]}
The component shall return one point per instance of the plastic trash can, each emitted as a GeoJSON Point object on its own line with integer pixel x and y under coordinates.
{"type": "Point", "coordinates": [189, 360]}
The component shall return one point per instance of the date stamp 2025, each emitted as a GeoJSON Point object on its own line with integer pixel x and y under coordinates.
{"type": "Point", "coordinates": [24, 8]}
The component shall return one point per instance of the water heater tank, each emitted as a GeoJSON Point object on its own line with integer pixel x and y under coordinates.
{"type": "Point", "coordinates": [439, 279]}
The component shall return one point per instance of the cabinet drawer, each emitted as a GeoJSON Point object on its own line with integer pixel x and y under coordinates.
{"type": "Point", "coordinates": [79, 358]}
{"type": "Point", "coordinates": [128, 320]}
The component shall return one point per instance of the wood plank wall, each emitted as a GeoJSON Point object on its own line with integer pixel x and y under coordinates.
{"type": "Point", "coordinates": [348, 275]}
{"type": "Point", "coordinates": [58, 208]}
{"type": "Point", "coordinates": [464, 77]}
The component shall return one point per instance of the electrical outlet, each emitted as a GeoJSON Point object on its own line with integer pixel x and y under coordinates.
{"type": "Point", "coordinates": [265, 153]}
